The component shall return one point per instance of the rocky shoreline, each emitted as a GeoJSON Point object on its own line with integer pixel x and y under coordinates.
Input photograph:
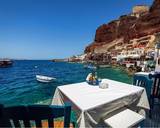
{"type": "Point", "coordinates": [127, 43]}
{"type": "Point", "coordinates": [137, 31]}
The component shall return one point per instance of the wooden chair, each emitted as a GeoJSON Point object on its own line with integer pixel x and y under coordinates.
{"type": "Point", "coordinates": [125, 118]}
{"type": "Point", "coordinates": [22, 115]}
{"type": "Point", "coordinates": [155, 92]}
{"type": "Point", "coordinates": [142, 81]}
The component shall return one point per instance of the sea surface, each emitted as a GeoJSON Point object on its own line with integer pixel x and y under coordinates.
{"type": "Point", "coordinates": [18, 84]}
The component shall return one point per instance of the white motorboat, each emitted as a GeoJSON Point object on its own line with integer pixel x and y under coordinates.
{"type": "Point", "coordinates": [45, 79]}
{"type": "Point", "coordinates": [90, 66]}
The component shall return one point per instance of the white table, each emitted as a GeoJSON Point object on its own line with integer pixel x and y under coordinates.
{"type": "Point", "coordinates": [92, 103]}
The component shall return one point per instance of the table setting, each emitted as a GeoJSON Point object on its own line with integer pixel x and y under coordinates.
{"type": "Point", "coordinates": [94, 102]}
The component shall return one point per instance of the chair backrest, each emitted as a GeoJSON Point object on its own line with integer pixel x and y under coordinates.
{"type": "Point", "coordinates": [24, 114]}
{"type": "Point", "coordinates": [4, 122]}
{"type": "Point", "coordinates": [143, 81]}
{"type": "Point", "coordinates": [156, 85]}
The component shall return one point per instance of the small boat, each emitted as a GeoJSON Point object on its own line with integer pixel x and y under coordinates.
{"type": "Point", "coordinates": [90, 66]}
{"type": "Point", "coordinates": [45, 79]}
{"type": "Point", "coordinates": [5, 63]}
{"type": "Point", "coordinates": [105, 66]}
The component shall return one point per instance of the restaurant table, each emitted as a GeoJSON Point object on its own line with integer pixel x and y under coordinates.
{"type": "Point", "coordinates": [92, 104]}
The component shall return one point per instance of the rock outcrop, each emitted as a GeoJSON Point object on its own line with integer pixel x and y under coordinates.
{"type": "Point", "coordinates": [138, 24]}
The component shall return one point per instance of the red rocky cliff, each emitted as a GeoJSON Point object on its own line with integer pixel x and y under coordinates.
{"type": "Point", "coordinates": [128, 27]}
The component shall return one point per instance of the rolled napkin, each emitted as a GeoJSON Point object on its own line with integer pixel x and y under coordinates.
{"type": "Point", "coordinates": [103, 85]}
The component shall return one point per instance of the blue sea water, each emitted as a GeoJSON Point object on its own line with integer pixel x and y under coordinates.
{"type": "Point", "coordinates": [18, 84]}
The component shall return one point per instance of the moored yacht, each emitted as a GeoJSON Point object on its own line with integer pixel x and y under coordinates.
{"type": "Point", "coordinates": [5, 62]}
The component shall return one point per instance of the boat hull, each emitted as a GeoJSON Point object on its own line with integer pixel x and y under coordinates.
{"type": "Point", "coordinates": [44, 79]}
{"type": "Point", "coordinates": [5, 63]}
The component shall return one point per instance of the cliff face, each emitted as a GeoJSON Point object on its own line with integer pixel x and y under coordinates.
{"type": "Point", "coordinates": [128, 27]}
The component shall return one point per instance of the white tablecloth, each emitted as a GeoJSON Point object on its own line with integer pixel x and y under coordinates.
{"type": "Point", "coordinates": [93, 103]}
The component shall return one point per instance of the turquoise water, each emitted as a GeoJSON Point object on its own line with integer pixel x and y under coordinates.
{"type": "Point", "coordinates": [18, 84]}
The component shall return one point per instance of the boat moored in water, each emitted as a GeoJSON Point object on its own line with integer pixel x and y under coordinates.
{"type": "Point", "coordinates": [45, 79]}
{"type": "Point", "coordinates": [5, 63]}
{"type": "Point", "coordinates": [105, 66]}
{"type": "Point", "coordinates": [90, 66]}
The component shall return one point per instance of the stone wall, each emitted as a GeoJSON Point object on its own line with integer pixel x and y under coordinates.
{"type": "Point", "coordinates": [140, 9]}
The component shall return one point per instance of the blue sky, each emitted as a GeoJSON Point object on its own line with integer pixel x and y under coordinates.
{"type": "Point", "coordinates": [45, 29]}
